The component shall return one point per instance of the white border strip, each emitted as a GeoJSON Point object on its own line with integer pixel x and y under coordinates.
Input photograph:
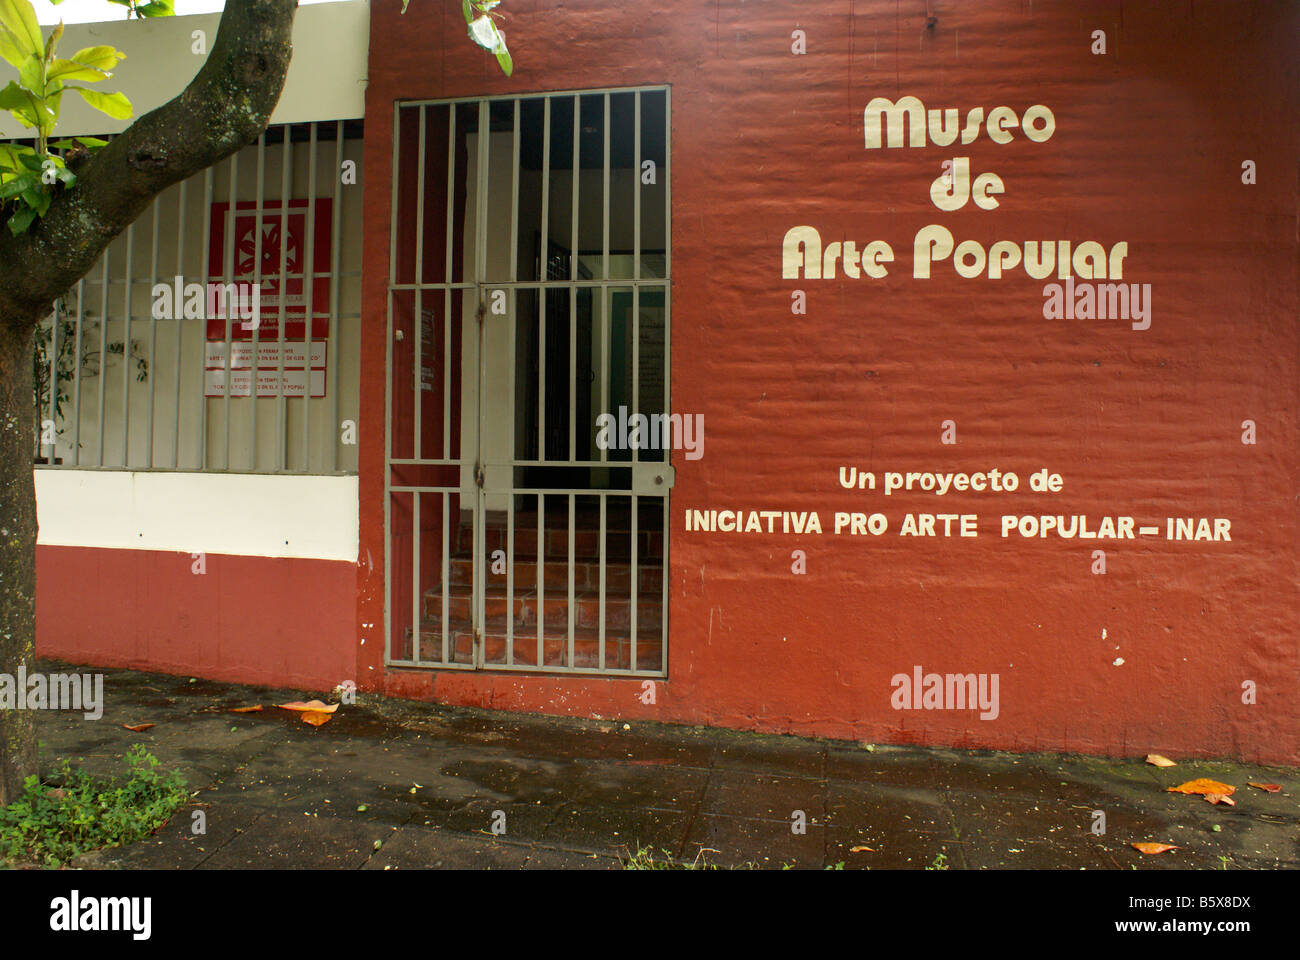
{"type": "Point", "coordinates": [256, 515]}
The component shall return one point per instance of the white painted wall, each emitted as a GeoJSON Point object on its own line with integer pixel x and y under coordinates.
{"type": "Point", "coordinates": [220, 513]}
{"type": "Point", "coordinates": [327, 76]}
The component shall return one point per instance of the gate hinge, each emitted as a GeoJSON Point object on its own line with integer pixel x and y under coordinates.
{"type": "Point", "coordinates": [478, 474]}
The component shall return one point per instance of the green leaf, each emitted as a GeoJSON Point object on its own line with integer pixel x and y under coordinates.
{"type": "Point", "coordinates": [67, 70]}
{"type": "Point", "coordinates": [13, 187]}
{"type": "Point", "coordinates": [469, 13]}
{"type": "Point", "coordinates": [13, 97]}
{"type": "Point", "coordinates": [20, 18]}
{"type": "Point", "coordinates": [53, 42]}
{"type": "Point", "coordinates": [503, 58]}
{"type": "Point", "coordinates": [30, 75]}
{"type": "Point", "coordinates": [99, 58]}
{"type": "Point", "coordinates": [92, 143]}
{"type": "Point", "coordinates": [156, 8]}
{"type": "Point", "coordinates": [405, 4]}
{"type": "Point", "coordinates": [21, 220]}
{"type": "Point", "coordinates": [10, 48]}
{"type": "Point", "coordinates": [116, 105]}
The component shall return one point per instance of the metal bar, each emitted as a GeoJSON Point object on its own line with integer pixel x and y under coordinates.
{"type": "Point", "coordinates": [606, 361]}
{"type": "Point", "coordinates": [309, 285]}
{"type": "Point", "coordinates": [573, 372]}
{"type": "Point", "coordinates": [482, 184]}
{"type": "Point", "coordinates": [103, 350]}
{"type": "Point", "coordinates": [543, 270]}
{"type": "Point", "coordinates": [388, 340]}
{"type": "Point", "coordinates": [209, 191]}
{"type": "Point", "coordinates": [388, 407]}
{"type": "Point", "coordinates": [573, 188]}
{"type": "Point", "coordinates": [573, 521]}
{"type": "Point", "coordinates": [153, 332]}
{"type": "Point", "coordinates": [636, 186]}
{"type": "Point", "coordinates": [446, 554]}
{"type": "Point", "coordinates": [332, 359]}
{"type": "Point", "coordinates": [392, 218]}
{"type": "Point", "coordinates": [633, 576]}
{"type": "Point", "coordinates": [126, 347]}
{"type": "Point", "coordinates": [416, 598]}
{"type": "Point", "coordinates": [281, 402]}
{"type": "Point", "coordinates": [663, 582]}
{"type": "Point", "coordinates": [541, 576]}
{"type": "Point", "coordinates": [388, 473]}
{"type": "Point", "coordinates": [228, 277]}
{"type": "Point", "coordinates": [52, 454]}
{"type": "Point", "coordinates": [443, 101]}
{"type": "Point", "coordinates": [604, 273]}
{"type": "Point", "coordinates": [668, 183]}
{"type": "Point", "coordinates": [258, 218]}
{"type": "Point", "coordinates": [510, 394]}
{"type": "Point", "coordinates": [514, 201]}
{"type": "Point", "coordinates": [418, 353]}
{"type": "Point", "coordinates": [604, 502]}
{"type": "Point", "coordinates": [182, 196]}
{"type": "Point", "coordinates": [447, 275]}
{"type": "Point", "coordinates": [76, 374]}
{"type": "Point", "coordinates": [510, 578]}
{"type": "Point", "coordinates": [635, 334]}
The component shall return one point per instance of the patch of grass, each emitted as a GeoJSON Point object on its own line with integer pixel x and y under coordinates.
{"type": "Point", "coordinates": [940, 862]}
{"type": "Point", "coordinates": [645, 858]}
{"type": "Point", "coordinates": [74, 812]}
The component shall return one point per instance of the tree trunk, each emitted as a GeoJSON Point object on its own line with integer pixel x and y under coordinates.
{"type": "Point", "coordinates": [224, 108]}
{"type": "Point", "coordinates": [17, 551]}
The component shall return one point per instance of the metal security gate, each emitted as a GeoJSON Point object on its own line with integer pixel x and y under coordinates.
{"type": "Point", "coordinates": [528, 436]}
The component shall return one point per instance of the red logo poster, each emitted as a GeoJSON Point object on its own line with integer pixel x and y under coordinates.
{"type": "Point", "coordinates": [279, 296]}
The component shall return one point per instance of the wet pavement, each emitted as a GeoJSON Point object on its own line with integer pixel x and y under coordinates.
{"type": "Point", "coordinates": [394, 784]}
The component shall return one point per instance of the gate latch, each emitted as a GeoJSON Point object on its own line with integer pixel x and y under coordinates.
{"type": "Point", "coordinates": [653, 478]}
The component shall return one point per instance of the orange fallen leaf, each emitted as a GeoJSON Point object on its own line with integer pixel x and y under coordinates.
{"type": "Point", "coordinates": [1158, 761]}
{"type": "Point", "coordinates": [860, 849]}
{"type": "Point", "coordinates": [253, 709]}
{"type": "Point", "coordinates": [1202, 785]}
{"type": "Point", "coordinates": [1152, 847]}
{"type": "Point", "coordinates": [1270, 787]}
{"type": "Point", "coordinates": [315, 717]}
{"type": "Point", "coordinates": [137, 727]}
{"type": "Point", "coordinates": [1220, 798]}
{"type": "Point", "coordinates": [314, 706]}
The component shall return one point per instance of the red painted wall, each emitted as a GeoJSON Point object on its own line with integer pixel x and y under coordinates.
{"type": "Point", "coordinates": [1148, 149]}
{"type": "Point", "coordinates": [280, 622]}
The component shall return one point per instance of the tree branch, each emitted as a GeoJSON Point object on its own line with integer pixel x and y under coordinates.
{"type": "Point", "coordinates": [227, 105]}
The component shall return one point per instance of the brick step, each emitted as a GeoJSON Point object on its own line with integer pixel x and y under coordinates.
{"type": "Point", "coordinates": [555, 644]}
{"type": "Point", "coordinates": [586, 540]}
{"type": "Point", "coordinates": [618, 609]}
{"type": "Point", "coordinates": [555, 574]}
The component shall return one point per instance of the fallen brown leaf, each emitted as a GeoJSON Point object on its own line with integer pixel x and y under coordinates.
{"type": "Point", "coordinates": [137, 727]}
{"type": "Point", "coordinates": [315, 717]}
{"type": "Point", "coordinates": [1152, 847]}
{"type": "Point", "coordinates": [1270, 787]}
{"type": "Point", "coordinates": [314, 706]}
{"type": "Point", "coordinates": [1202, 785]}
{"type": "Point", "coordinates": [860, 849]}
{"type": "Point", "coordinates": [253, 709]}
{"type": "Point", "coordinates": [1158, 761]}
{"type": "Point", "coordinates": [1220, 798]}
